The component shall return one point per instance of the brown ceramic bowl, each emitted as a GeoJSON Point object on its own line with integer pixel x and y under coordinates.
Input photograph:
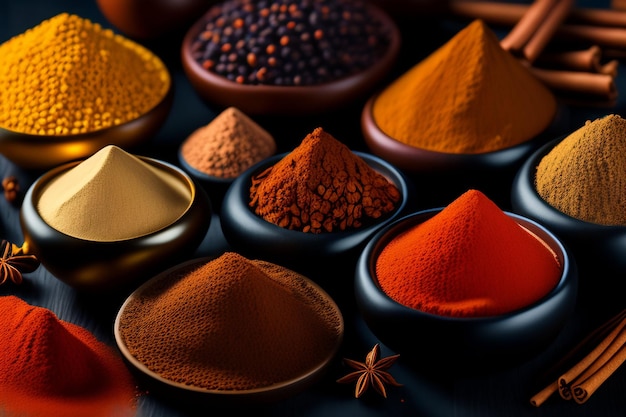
{"type": "Point", "coordinates": [42, 152]}
{"type": "Point", "coordinates": [288, 100]}
{"type": "Point", "coordinates": [198, 396]}
{"type": "Point", "coordinates": [450, 174]}
{"type": "Point", "coordinates": [96, 266]}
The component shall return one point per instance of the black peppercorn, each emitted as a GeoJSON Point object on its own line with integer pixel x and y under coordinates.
{"type": "Point", "coordinates": [283, 42]}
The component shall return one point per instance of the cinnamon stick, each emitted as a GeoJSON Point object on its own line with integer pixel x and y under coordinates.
{"type": "Point", "coordinates": [566, 361]}
{"type": "Point", "coordinates": [544, 33]}
{"type": "Point", "coordinates": [527, 25]}
{"type": "Point", "coordinates": [579, 60]}
{"type": "Point", "coordinates": [605, 28]}
{"type": "Point", "coordinates": [568, 377]}
{"type": "Point", "coordinates": [584, 389]}
{"type": "Point", "coordinates": [508, 14]}
{"type": "Point", "coordinates": [596, 84]}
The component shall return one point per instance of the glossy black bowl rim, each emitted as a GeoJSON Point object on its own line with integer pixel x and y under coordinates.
{"type": "Point", "coordinates": [417, 160]}
{"type": "Point", "coordinates": [366, 266]}
{"type": "Point", "coordinates": [109, 265]}
{"type": "Point", "coordinates": [526, 200]}
{"type": "Point", "coordinates": [238, 219]}
{"type": "Point", "coordinates": [31, 213]}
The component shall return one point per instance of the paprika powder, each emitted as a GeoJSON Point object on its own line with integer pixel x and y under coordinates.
{"type": "Point", "coordinates": [320, 187]}
{"type": "Point", "coordinates": [54, 368]}
{"type": "Point", "coordinates": [469, 260]}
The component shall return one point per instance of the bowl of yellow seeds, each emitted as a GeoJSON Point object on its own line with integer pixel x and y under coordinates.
{"type": "Point", "coordinates": [69, 86]}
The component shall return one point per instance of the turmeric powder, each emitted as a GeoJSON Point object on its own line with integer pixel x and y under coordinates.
{"type": "Point", "coordinates": [69, 76]}
{"type": "Point", "coordinates": [469, 96]}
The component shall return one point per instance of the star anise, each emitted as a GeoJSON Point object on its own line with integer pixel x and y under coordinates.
{"type": "Point", "coordinates": [372, 372]}
{"type": "Point", "coordinates": [14, 261]}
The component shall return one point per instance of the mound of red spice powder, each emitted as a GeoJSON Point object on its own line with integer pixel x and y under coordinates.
{"type": "Point", "coordinates": [470, 259]}
{"type": "Point", "coordinates": [53, 368]}
{"type": "Point", "coordinates": [322, 186]}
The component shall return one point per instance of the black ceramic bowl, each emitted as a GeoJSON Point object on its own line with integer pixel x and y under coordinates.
{"type": "Point", "coordinates": [288, 100]}
{"type": "Point", "coordinates": [489, 172]}
{"type": "Point", "coordinates": [195, 396]}
{"type": "Point", "coordinates": [108, 266]}
{"type": "Point", "coordinates": [448, 343]}
{"type": "Point", "coordinates": [600, 250]}
{"type": "Point", "coordinates": [252, 235]}
{"type": "Point", "coordinates": [42, 152]}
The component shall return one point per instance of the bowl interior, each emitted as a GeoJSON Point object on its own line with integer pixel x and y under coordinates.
{"type": "Point", "coordinates": [178, 390]}
{"type": "Point", "coordinates": [269, 99]}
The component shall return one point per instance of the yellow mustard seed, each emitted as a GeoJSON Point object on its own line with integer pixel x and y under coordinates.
{"type": "Point", "coordinates": [69, 75]}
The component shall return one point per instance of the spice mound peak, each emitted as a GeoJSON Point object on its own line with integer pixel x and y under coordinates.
{"type": "Point", "coordinates": [469, 96]}
{"type": "Point", "coordinates": [322, 186]}
{"type": "Point", "coordinates": [231, 143]}
{"type": "Point", "coordinates": [70, 76]}
{"type": "Point", "coordinates": [469, 260]}
{"type": "Point", "coordinates": [230, 324]}
{"type": "Point", "coordinates": [50, 367]}
{"type": "Point", "coordinates": [584, 175]}
{"type": "Point", "coordinates": [113, 195]}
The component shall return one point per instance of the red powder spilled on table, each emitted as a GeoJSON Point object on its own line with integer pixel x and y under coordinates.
{"type": "Point", "coordinates": [53, 368]}
{"type": "Point", "coordinates": [470, 259]}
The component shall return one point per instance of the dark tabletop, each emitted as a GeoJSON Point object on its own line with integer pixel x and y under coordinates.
{"type": "Point", "coordinates": [499, 392]}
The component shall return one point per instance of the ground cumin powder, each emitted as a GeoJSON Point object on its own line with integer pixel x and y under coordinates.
{"type": "Point", "coordinates": [53, 368]}
{"type": "Point", "coordinates": [231, 324]}
{"type": "Point", "coordinates": [113, 195]}
{"type": "Point", "coordinates": [69, 75]}
{"type": "Point", "coordinates": [469, 260]}
{"type": "Point", "coordinates": [228, 145]}
{"type": "Point", "coordinates": [322, 186]}
{"type": "Point", "coordinates": [469, 96]}
{"type": "Point", "coordinates": [584, 175]}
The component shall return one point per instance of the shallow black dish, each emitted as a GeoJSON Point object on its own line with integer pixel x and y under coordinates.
{"type": "Point", "coordinates": [108, 266]}
{"type": "Point", "coordinates": [600, 250]}
{"type": "Point", "coordinates": [252, 235]}
{"type": "Point", "coordinates": [436, 342]}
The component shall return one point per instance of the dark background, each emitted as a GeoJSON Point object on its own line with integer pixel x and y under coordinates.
{"type": "Point", "coordinates": [424, 393]}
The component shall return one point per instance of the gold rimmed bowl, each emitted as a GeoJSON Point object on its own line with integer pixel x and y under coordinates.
{"type": "Point", "coordinates": [43, 152]}
{"type": "Point", "coordinates": [490, 172]}
{"type": "Point", "coordinates": [296, 100]}
{"type": "Point", "coordinates": [93, 265]}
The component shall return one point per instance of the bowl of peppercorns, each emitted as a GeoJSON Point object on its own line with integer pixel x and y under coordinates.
{"type": "Point", "coordinates": [291, 58]}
